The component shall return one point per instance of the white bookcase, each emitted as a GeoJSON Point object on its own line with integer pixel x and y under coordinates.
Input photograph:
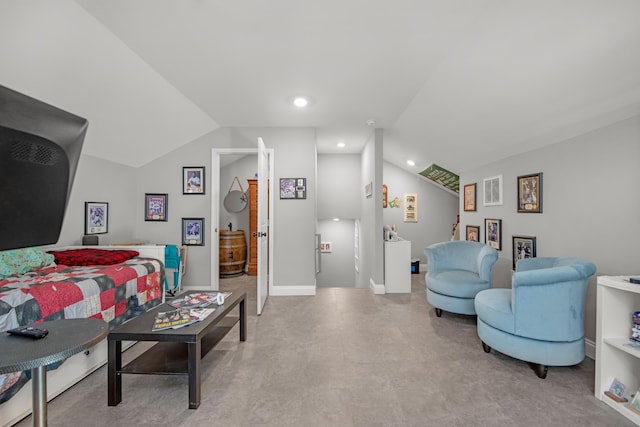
{"type": "Point", "coordinates": [617, 299]}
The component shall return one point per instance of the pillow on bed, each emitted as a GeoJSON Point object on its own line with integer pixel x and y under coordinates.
{"type": "Point", "coordinates": [90, 256]}
{"type": "Point", "coordinates": [20, 261]}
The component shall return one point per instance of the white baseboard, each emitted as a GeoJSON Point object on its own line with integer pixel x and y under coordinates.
{"type": "Point", "coordinates": [590, 349]}
{"type": "Point", "coordinates": [283, 291]}
{"type": "Point", "coordinates": [378, 289]}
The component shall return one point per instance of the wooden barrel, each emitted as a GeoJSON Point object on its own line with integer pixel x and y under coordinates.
{"type": "Point", "coordinates": [233, 253]}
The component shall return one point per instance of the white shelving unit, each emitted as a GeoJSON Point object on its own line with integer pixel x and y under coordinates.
{"type": "Point", "coordinates": [617, 299]}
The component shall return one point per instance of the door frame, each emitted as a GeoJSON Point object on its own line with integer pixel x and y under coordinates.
{"type": "Point", "coordinates": [215, 210]}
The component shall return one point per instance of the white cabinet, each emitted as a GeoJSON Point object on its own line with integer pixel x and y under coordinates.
{"type": "Point", "coordinates": [397, 266]}
{"type": "Point", "coordinates": [615, 358]}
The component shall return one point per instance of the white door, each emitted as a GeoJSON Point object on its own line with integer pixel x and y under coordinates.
{"type": "Point", "coordinates": [263, 226]}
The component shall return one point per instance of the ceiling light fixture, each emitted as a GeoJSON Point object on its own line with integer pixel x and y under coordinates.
{"type": "Point", "coordinates": [341, 144]}
{"type": "Point", "coordinates": [300, 102]}
{"type": "Point", "coordinates": [371, 123]}
{"type": "Point", "coordinates": [336, 219]}
{"type": "Point", "coordinates": [411, 163]}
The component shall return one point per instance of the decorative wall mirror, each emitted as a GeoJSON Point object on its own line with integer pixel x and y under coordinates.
{"type": "Point", "coordinates": [235, 200]}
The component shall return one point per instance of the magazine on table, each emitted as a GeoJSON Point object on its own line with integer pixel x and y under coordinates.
{"type": "Point", "coordinates": [180, 317]}
{"type": "Point", "coordinates": [198, 299]}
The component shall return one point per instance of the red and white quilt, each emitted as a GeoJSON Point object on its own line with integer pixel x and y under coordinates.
{"type": "Point", "coordinates": [61, 292]}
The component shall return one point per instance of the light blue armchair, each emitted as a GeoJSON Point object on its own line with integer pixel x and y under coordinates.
{"type": "Point", "coordinates": [456, 272]}
{"type": "Point", "coordinates": [541, 319]}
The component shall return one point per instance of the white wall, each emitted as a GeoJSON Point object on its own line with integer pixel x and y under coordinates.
{"type": "Point", "coordinates": [294, 220]}
{"type": "Point", "coordinates": [591, 207]}
{"type": "Point", "coordinates": [100, 180]}
{"type": "Point", "coordinates": [437, 209]}
{"type": "Point", "coordinates": [339, 189]}
{"type": "Point", "coordinates": [338, 266]}
{"type": "Point", "coordinates": [371, 269]}
{"type": "Point", "coordinates": [164, 175]}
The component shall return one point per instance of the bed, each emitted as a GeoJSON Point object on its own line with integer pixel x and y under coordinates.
{"type": "Point", "coordinates": [111, 283]}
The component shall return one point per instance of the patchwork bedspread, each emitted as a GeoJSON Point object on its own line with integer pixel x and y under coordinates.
{"type": "Point", "coordinates": [112, 293]}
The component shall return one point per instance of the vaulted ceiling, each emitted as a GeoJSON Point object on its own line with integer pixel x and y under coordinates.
{"type": "Point", "coordinates": [454, 82]}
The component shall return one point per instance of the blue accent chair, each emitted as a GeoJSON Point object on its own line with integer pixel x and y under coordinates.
{"type": "Point", "coordinates": [541, 319]}
{"type": "Point", "coordinates": [456, 272]}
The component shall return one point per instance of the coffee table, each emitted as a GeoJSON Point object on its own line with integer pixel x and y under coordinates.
{"type": "Point", "coordinates": [178, 351]}
{"type": "Point", "coordinates": [66, 338]}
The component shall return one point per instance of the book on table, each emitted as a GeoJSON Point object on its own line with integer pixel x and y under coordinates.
{"type": "Point", "coordinates": [198, 299]}
{"type": "Point", "coordinates": [180, 317]}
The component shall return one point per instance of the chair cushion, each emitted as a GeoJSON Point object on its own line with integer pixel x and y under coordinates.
{"type": "Point", "coordinates": [493, 306]}
{"type": "Point", "coordinates": [456, 283]}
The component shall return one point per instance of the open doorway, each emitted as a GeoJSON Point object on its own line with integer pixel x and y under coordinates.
{"type": "Point", "coordinates": [231, 230]}
{"type": "Point", "coordinates": [338, 253]}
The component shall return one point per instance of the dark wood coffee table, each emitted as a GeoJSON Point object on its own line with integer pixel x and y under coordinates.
{"type": "Point", "coordinates": [178, 351]}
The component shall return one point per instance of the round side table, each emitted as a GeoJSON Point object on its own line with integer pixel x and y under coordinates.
{"type": "Point", "coordinates": [66, 337]}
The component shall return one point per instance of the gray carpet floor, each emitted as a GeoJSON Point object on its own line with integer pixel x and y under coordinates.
{"type": "Point", "coordinates": [346, 357]}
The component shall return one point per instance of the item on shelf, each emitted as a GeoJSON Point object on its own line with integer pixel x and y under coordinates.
{"type": "Point", "coordinates": [181, 317]}
{"type": "Point", "coordinates": [199, 300]}
{"type": "Point", "coordinates": [635, 280]}
{"type": "Point", "coordinates": [635, 402]}
{"type": "Point", "coordinates": [635, 329]}
{"type": "Point", "coordinates": [616, 391]}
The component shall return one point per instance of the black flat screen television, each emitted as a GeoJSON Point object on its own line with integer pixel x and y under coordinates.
{"type": "Point", "coordinates": [40, 148]}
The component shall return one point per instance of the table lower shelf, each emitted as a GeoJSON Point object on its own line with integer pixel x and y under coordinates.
{"type": "Point", "coordinates": [170, 358]}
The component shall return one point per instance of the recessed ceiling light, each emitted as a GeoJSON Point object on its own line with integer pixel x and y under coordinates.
{"type": "Point", "coordinates": [371, 123]}
{"type": "Point", "coordinates": [336, 219]}
{"type": "Point", "coordinates": [411, 163]}
{"type": "Point", "coordinates": [300, 102]}
{"type": "Point", "coordinates": [341, 144]}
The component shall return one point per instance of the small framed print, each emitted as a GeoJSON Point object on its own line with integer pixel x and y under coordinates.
{"type": "Point", "coordinates": [411, 207]}
{"type": "Point", "coordinates": [155, 207]}
{"type": "Point", "coordinates": [96, 218]}
{"type": "Point", "coordinates": [293, 188]}
{"type": "Point", "coordinates": [325, 247]}
{"type": "Point", "coordinates": [530, 193]}
{"type": "Point", "coordinates": [493, 233]}
{"type": "Point", "coordinates": [193, 180]}
{"type": "Point", "coordinates": [473, 233]}
{"type": "Point", "coordinates": [368, 190]}
{"type": "Point", "coordinates": [523, 247]}
{"type": "Point", "coordinates": [492, 191]}
{"type": "Point", "coordinates": [193, 231]}
{"type": "Point", "coordinates": [470, 197]}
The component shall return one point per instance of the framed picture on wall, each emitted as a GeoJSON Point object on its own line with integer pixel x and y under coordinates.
{"type": "Point", "coordinates": [470, 197]}
{"type": "Point", "coordinates": [293, 188]}
{"type": "Point", "coordinates": [326, 247]}
{"type": "Point", "coordinates": [493, 233]}
{"type": "Point", "coordinates": [524, 247]}
{"type": "Point", "coordinates": [193, 180]}
{"type": "Point", "coordinates": [530, 193]}
{"type": "Point", "coordinates": [368, 190]}
{"type": "Point", "coordinates": [411, 207]}
{"type": "Point", "coordinates": [193, 231]}
{"type": "Point", "coordinates": [96, 218]}
{"type": "Point", "coordinates": [155, 207]}
{"type": "Point", "coordinates": [473, 233]}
